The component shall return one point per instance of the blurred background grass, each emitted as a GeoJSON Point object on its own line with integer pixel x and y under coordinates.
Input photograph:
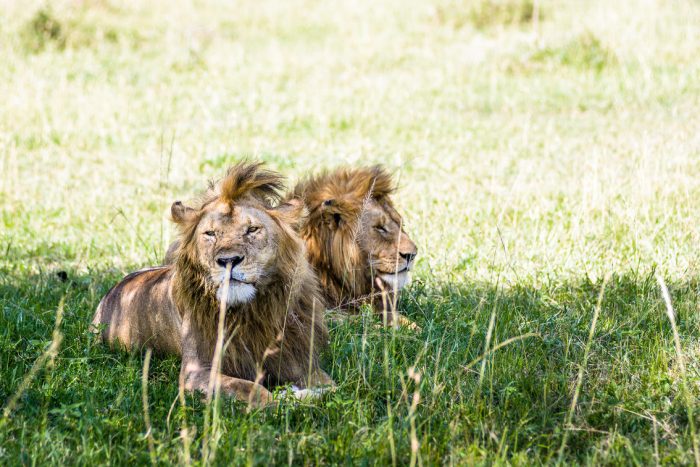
{"type": "Point", "coordinates": [538, 145]}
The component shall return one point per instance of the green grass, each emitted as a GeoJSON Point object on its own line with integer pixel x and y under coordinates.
{"type": "Point", "coordinates": [535, 156]}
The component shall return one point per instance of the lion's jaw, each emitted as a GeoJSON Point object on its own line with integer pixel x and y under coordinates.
{"type": "Point", "coordinates": [396, 281]}
{"type": "Point", "coordinates": [240, 290]}
{"type": "Point", "coordinates": [238, 293]}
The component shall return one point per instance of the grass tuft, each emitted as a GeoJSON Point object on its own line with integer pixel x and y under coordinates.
{"type": "Point", "coordinates": [76, 26]}
{"type": "Point", "coordinates": [43, 29]}
{"type": "Point", "coordinates": [485, 14]}
{"type": "Point", "coordinates": [585, 52]}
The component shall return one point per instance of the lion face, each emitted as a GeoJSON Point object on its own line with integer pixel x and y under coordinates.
{"type": "Point", "coordinates": [244, 235]}
{"type": "Point", "coordinates": [245, 238]}
{"type": "Point", "coordinates": [354, 236]}
{"type": "Point", "coordinates": [381, 247]}
{"type": "Point", "coordinates": [390, 253]}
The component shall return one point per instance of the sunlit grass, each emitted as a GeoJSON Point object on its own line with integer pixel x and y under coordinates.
{"type": "Point", "coordinates": [534, 158]}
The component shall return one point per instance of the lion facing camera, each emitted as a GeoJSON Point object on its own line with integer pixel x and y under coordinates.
{"type": "Point", "coordinates": [274, 312]}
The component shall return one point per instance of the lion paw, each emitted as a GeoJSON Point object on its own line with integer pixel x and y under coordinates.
{"type": "Point", "coordinates": [306, 394]}
{"type": "Point", "coordinates": [408, 323]}
{"type": "Point", "coordinates": [400, 320]}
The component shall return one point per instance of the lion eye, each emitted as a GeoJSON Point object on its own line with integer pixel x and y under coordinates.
{"type": "Point", "coordinates": [380, 228]}
{"type": "Point", "coordinates": [253, 229]}
{"type": "Point", "coordinates": [210, 233]}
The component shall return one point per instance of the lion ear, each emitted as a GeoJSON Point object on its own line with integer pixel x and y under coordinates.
{"type": "Point", "coordinates": [181, 213]}
{"type": "Point", "coordinates": [293, 212]}
{"type": "Point", "coordinates": [332, 213]}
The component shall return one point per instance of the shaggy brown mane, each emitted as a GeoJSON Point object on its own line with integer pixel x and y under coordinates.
{"type": "Point", "coordinates": [350, 183]}
{"type": "Point", "coordinates": [250, 179]}
{"type": "Point", "coordinates": [334, 253]}
{"type": "Point", "coordinates": [293, 296]}
{"type": "Point", "coordinates": [272, 336]}
{"type": "Point", "coordinates": [245, 179]}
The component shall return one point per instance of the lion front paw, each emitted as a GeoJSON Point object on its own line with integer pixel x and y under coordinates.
{"type": "Point", "coordinates": [398, 320]}
{"type": "Point", "coordinates": [310, 393]}
{"type": "Point", "coordinates": [305, 394]}
{"type": "Point", "coordinates": [403, 321]}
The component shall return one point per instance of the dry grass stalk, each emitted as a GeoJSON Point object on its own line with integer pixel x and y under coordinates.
{"type": "Point", "coordinates": [213, 390]}
{"type": "Point", "coordinates": [144, 399]}
{"type": "Point", "coordinates": [681, 363]}
{"type": "Point", "coordinates": [48, 356]}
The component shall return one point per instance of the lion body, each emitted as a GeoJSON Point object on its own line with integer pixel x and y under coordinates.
{"type": "Point", "coordinates": [272, 338]}
{"type": "Point", "coordinates": [122, 310]}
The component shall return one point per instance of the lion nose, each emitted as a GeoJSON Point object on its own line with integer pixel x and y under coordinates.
{"type": "Point", "coordinates": [408, 256]}
{"type": "Point", "coordinates": [234, 260]}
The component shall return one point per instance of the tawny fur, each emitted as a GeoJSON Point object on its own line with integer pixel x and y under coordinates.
{"type": "Point", "coordinates": [174, 308]}
{"type": "Point", "coordinates": [343, 243]}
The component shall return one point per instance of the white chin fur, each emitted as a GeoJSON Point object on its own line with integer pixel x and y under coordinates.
{"type": "Point", "coordinates": [238, 292]}
{"type": "Point", "coordinates": [396, 281]}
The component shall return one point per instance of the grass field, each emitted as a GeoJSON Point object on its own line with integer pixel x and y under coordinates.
{"type": "Point", "coordinates": [540, 149]}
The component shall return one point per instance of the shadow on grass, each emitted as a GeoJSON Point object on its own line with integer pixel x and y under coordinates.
{"type": "Point", "coordinates": [511, 405]}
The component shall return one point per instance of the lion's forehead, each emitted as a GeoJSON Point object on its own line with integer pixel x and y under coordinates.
{"type": "Point", "coordinates": [234, 217]}
{"type": "Point", "coordinates": [381, 210]}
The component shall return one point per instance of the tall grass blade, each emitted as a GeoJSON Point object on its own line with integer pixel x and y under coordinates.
{"type": "Point", "coordinates": [144, 400]}
{"type": "Point", "coordinates": [213, 390]}
{"type": "Point", "coordinates": [48, 356]}
{"type": "Point", "coordinates": [681, 363]}
{"type": "Point", "coordinates": [582, 369]}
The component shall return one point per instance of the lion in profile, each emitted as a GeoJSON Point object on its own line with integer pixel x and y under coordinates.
{"type": "Point", "coordinates": [355, 239]}
{"type": "Point", "coordinates": [274, 312]}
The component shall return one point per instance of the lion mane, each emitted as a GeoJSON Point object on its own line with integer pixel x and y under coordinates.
{"type": "Point", "coordinates": [335, 253]}
{"type": "Point", "coordinates": [174, 308]}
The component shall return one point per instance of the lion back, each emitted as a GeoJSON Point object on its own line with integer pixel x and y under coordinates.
{"type": "Point", "coordinates": [139, 312]}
